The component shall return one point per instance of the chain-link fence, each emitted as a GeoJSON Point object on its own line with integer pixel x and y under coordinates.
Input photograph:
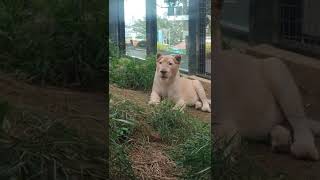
{"type": "Point", "coordinates": [299, 24]}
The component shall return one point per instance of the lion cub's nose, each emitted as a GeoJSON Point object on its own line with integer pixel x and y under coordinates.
{"type": "Point", "coordinates": [163, 71]}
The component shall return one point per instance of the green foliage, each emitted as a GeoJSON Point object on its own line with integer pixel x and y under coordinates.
{"type": "Point", "coordinates": [208, 48]}
{"type": "Point", "coordinates": [59, 42]}
{"type": "Point", "coordinates": [190, 137]}
{"type": "Point", "coordinates": [47, 149]}
{"type": "Point", "coordinates": [139, 27]}
{"type": "Point", "coordinates": [174, 126]}
{"type": "Point", "coordinates": [195, 154]}
{"type": "Point", "coordinates": [174, 28]}
{"type": "Point", "coordinates": [114, 52]}
{"type": "Point", "coordinates": [162, 47]}
{"type": "Point", "coordinates": [122, 121]}
{"type": "Point", "coordinates": [132, 73]}
{"type": "Point", "coordinates": [123, 116]}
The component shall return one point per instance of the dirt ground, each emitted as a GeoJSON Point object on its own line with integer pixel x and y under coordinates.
{"type": "Point", "coordinates": [84, 111]}
{"type": "Point", "coordinates": [150, 160]}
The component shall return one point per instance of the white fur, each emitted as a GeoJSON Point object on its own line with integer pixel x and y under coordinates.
{"type": "Point", "coordinates": [180, 90]}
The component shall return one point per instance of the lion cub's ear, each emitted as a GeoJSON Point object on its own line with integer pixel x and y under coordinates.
{"type": "Point", "coordinates": [178, 58]}
{"type": "Point", "coordinates": [158, 55]}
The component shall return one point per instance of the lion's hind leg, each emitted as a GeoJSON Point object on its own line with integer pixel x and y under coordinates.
{"type": "Point", "coordinates": [286, 93]}
{"type": "Point", "coordinates": [202, 95]}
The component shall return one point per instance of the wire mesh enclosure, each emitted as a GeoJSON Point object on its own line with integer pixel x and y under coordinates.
{"type": "Point", "coordinates": [299, 24]}
{"type": "Point", "coordinates": [202, 38]}
{"type": "Point", "coordinates": [201, 25]}
{"type": "Point", "coordinates": [208, 37]}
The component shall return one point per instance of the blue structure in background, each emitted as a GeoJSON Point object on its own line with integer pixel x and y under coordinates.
{"type": "Point", "coordinates": [160, 36]}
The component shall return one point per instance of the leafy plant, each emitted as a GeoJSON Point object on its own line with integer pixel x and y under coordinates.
{"type": "Point", "coordinates": [132, 73]}
{"type": "Point", "coordinates": [162, 47]}
{"type": "Point", "coordinates": [123, 117]}
{"type": "Point", "coordinates": [56, 42]}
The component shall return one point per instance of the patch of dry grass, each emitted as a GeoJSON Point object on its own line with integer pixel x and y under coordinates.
{"type": "Point", "coordinates": [151, 162]}
{"type": "Point", "coordinates": [35, 146]}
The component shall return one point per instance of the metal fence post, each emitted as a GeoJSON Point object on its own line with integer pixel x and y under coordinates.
{"type": "Point", "coordinates": [202, 37]}
{"type": "Point", "coordinates": [151, 26]}
{"type": "Point", "coordinates": [192, 40]}
{"type": "Point", "coordinates": [121, 27]}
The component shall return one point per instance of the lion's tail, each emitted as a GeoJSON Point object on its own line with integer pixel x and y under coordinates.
{"type": "Point", "coordinates": [315, 126]}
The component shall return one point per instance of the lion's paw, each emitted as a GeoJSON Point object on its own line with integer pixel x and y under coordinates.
{"type": "Point", "coordinates": [153, 103]}
{"type": "Point", "coordinates": [303, 150]}
{"type": "Point", "coordinates": [206, 108]}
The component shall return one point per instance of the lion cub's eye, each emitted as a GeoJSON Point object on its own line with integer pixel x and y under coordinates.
{"type": "Point", "coordinates": [160, 62]}
{"type": "Point", "coordinates": [170, 63]}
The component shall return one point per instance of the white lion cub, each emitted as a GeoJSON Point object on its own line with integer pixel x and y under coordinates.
{"type": "Point", "coordinates": [169, 84]}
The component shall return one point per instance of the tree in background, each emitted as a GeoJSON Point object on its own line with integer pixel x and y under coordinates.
{"type": "Point", "coordinates": [174, 28]}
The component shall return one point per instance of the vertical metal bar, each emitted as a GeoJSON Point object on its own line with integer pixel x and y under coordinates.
{"type": "Point", "coordinates": [276, 22]}
{"type": "Point", "coordinates": [202, 37]}
{"type": "Point", "coordinates": [121, 27]}
{"type": "Point", "coordinates": [252, 19]}
{"type": "Point", "coordinates": [192, 41]}
{"type": "Point", "coordinates": [113, 21]}
{"type": "Point", "coordinates": [151, 26]}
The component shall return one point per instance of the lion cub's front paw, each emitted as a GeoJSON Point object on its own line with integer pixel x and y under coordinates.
{"type": "Point", "coordinates": [153, 102]}
{"type": "Point", "coordinates": [304, 150]}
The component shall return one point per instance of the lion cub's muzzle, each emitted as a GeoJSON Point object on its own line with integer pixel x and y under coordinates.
{"type": "Point", "coordinates": [163, 74]}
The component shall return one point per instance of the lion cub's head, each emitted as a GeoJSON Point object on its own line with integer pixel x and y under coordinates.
{"type": "Point", "coordinates": [167, 66]}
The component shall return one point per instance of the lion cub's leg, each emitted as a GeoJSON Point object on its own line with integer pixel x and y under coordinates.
{"type": "Point", "coordinates": [202, 95]}
{"type": "Point", "coordinates": [285, 90]}
{"type": "Point", "coordinates": [154, 98]}
{"type": "Point", "coordinates": [280, 139]}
